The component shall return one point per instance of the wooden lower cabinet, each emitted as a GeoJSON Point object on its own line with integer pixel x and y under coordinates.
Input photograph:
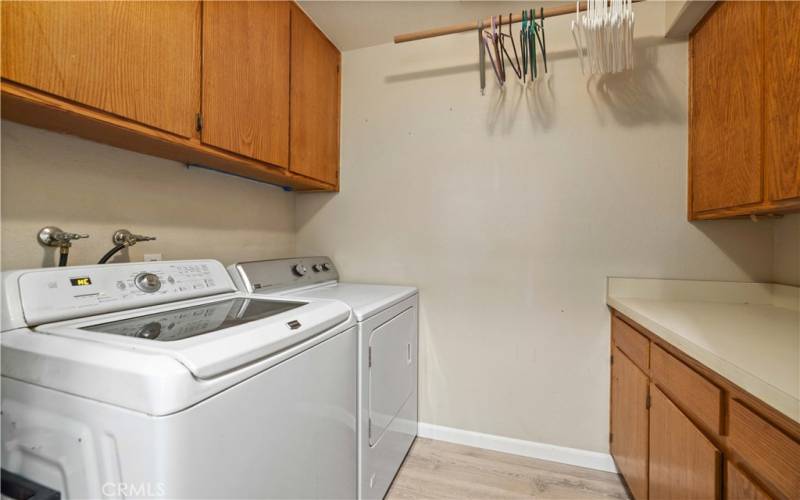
{"type": "Point", "coordinates": [635, 345]}
{"type": "Point", "coordinates": [768, 449]}
{"type": "Point", "coordinates": [683, 462]}
{"type": "Point", "coordinates": [629, 422]}
{"type": "Point", "coordinates": [688, 389]}
{"type": "Point", "coordinates": [681, 431]}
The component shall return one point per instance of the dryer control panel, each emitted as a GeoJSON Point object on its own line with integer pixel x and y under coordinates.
{"type": "Point", "coordinates": [56, 294]}
{"type": "Point", "coordinates": [282, 274]}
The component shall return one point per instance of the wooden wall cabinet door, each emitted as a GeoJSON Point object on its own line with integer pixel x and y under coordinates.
{"type": "Point", "coordinates": [315, 97]}
{"type": "Point", "coordinates": [725, 130]}
{"type": "Point", "coordinates": [683, 462]}
{"type": "Point", "coordinates": [744, 113]}
{"type": "Point", "coordinates": [629, 422]}
{"type": "Point", "coordinates": [137, 60]}
{"type": "Point", "coordinates": [246, 79]}
{"type": "Point", "coordinates": [782, 101]}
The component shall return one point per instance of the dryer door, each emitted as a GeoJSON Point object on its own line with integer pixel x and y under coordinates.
{"type": "Point", "coordinates": [391, 370]}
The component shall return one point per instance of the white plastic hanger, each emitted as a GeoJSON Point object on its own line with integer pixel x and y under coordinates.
{"type": "Point", "coordinates": [605, 33]}
{"type": "Point", "coordinates": [575, 28]}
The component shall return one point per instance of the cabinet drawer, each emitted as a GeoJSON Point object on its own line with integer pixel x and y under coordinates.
{"type": "Point", "coordinates": [769, 453]}
{"type": "Point", "coordinates": [631, 342]}
{"type": "Point", "coordinates": [690, 390]}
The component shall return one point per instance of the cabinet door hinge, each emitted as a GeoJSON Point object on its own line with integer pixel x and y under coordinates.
{"type": "Point", "coordinates": [610, 437]}
{"type": "Point", "coordinates": [612, 359]}
{"type": "Point", "coordinates": [647, 402]}
{"type": "Point", "coordinates": [199, 123]}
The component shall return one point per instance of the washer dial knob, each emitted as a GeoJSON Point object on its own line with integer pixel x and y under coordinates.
{"type": "Point", "coordinates": [317, 268]}
{"type": "Point", "coordinates": [147, 282]}
{"type": "Point", "coordinates": [326, 267]}
{"type": "Point", "coordinates": [300, 269]}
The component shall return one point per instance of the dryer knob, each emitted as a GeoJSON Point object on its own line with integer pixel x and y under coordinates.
{"type": "Point", "coordinates": [326, 267]}
{"type": "Point", "coordinates": [317, 268]}
{"type": "Point", "coordinates": [300, 269]}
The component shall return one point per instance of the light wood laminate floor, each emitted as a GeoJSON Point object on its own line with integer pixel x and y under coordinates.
{"type": "Point", "coordinates": [435, 469]}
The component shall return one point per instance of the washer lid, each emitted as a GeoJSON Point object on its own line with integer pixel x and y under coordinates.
{"type": "Point", "coordinates": [210, 337]}
{"type": "Point", "coordinates": [366, 300]}
{"type": "Point", "coordinates": [190, 321]}
{"type": "Point", "coordinates": [150, 381]}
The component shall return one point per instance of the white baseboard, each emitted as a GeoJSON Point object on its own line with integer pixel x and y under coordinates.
{"type": "Point", "coordinates": [542, 451]}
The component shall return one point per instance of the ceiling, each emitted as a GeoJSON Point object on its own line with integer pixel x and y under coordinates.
{"type": "Point", "coordinates": [356, 24]}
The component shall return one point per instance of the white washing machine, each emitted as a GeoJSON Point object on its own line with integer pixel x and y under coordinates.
{"type": "Point", "coordinates": [387, 355]}
{"type": "Point", "coordinates": [160, 379]}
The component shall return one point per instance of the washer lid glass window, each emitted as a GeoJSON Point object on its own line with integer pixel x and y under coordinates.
{"type": "Point", "coordinates": [186, 322]}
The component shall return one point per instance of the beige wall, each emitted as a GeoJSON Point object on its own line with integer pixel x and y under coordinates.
{"type": "Point", "coordinates": [672, 10]}
{"type": "Point", "coordinates": [81, 186]}
{"type": "Point", "coordinates": [681, 16]}
{"type": "Point", "coordinates": [510, 211]}
{"type": "Point", "coordinates": [786, 264]}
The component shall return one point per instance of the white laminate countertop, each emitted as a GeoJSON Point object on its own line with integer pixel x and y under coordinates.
{"type": "Point", "coordinates": [747, 332]}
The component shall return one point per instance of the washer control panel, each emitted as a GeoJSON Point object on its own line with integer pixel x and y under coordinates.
{"type": "Point", "coordinates": [56, 294]}
{"type": "Point", "coordinates": [147, 282]}
{"type": "Point", "coordinates": [280, 274]}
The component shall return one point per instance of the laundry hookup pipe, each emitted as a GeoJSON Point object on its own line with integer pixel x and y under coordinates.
{"type": "Point", "coordinates": [111, 253]}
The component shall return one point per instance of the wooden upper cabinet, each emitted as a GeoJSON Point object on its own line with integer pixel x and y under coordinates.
{"type": "Point", "coordinates": [629, 422]}
{"type": "Point", "coordinates": [315, 92]}
{"type": "Point", "coordinates": [246, 79]}
{"type": "Point", "coordinates": [683, 462]}
{"type": "Point", "coordinates": [136, 60]}
{"type": "Point", "coordinates": [744, 119]}
{"type": "Point", "coordinates": [726, 108]}
{"type": "Point", "coordinates": [782, 99]}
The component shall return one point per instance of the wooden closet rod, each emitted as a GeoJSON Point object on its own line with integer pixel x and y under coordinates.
{"type": "Point", "coordinates": [463, 27]}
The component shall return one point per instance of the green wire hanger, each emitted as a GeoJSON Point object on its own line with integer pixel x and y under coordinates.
{"type": "Point", "coordinates": [543, 40]}
{"type": "Point", "coordinates": [532, 29]}
{"type": "Point", "coordinates": [523, 44]}
{"type": "Point", "coordinates": [536, 37]}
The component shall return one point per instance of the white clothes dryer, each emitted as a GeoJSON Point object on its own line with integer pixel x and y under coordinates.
{"type": "Point", "coordinates": [387, 318]}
